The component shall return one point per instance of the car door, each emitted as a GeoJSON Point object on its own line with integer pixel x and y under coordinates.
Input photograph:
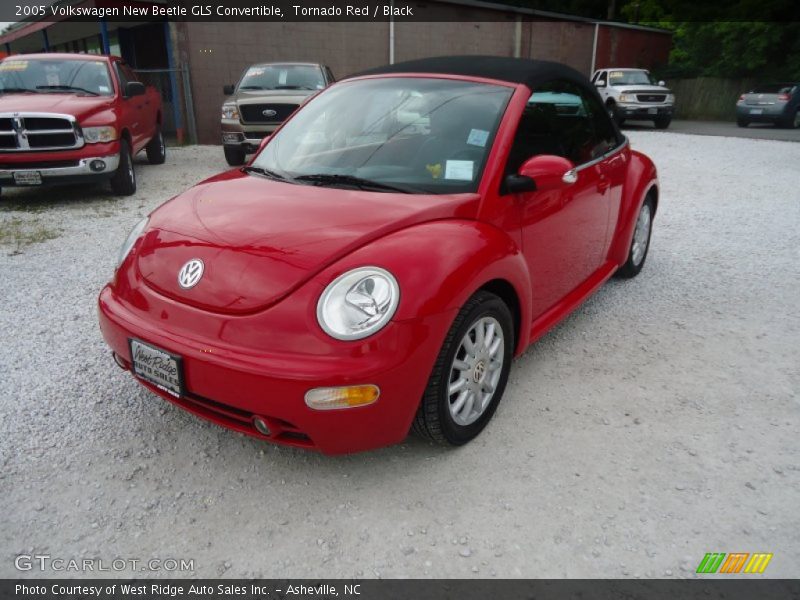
{"type": "Point", "coordinates": [134, 113]}
{"type": "Point", "coordinates": [564, 231]}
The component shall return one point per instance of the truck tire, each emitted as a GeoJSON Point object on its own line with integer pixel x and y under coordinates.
{"type": "Point", "coordinates": [156, 149]}
{"type": "Point", "coordinates": [614, 113]}
{"type": "Point", "coordinates": [662, 122]}
{"type": "Point", "coordinates": [123, 182]}
{"type": "Point", "coordinates": [234, 155]}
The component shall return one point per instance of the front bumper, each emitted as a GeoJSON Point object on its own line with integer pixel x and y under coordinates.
{"type": "Point", "coordinates": [645, 111]}
{"type": "Point", "coordinates": [231, 386]}
{"type": "Point", "coordinates": [248, 137]}
{"type": "Point", "coordinates": [58, 167]}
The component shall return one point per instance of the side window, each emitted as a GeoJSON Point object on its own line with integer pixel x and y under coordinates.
{"type": "Point", "coordinates": [125, 75]}
{"type": "Point", "coordinates": [329, 75]}
{"type": "Point", "coordinates": [601, 78]}
{"type": "Point", "coordinates": [563, 119]}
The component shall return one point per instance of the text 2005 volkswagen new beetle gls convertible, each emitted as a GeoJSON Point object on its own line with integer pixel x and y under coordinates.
{"type": "Point", "coordinates": [376, 266]}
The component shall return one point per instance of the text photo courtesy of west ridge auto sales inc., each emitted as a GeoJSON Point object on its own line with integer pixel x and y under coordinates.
{"type": "Point", "coordinates": [399, 299]}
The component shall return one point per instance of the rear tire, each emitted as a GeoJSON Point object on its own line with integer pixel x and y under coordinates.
{"type": "Point", "coordinates": [791, 121]}
{"type": "Point", "coordinates": [742, 122]}
{"type": "Point", "coordinates": [123, 182]}
{"type": "Point", "coordinates": [640, 243]}
{"type": "Point", "coordinates": [235, 156]}
{"type": "Point", "coordinates": [156, 149]}
{"type": "Point", "coordinates": [662, 122]}
{"type": "Point", "coordinates": [466, 384]}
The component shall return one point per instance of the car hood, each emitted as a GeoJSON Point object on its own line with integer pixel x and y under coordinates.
{"type": "Point", "coordinates": [638, 89]}
{"type": "Point", "coordinates": [68, 104]}
{"type": "Point", "coordinates": [276, 96]}
{"type": "Point", "coordinates": [261, 239]}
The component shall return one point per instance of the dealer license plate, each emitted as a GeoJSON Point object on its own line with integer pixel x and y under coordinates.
{"type": "Point", "coordinates": [652, 111]}
{"type": "Point", "coordinates": [756, 111]}
{"type": "Point", "coordinates": [27, 178]}
{"type": "Point", "coordinates": [162, 369]}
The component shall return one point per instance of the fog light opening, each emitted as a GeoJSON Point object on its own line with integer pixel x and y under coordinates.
{"type": "Point", "coordinates": [120, 363]}
{"type": "Point", "coordinates": [97, 165]}
{"type": "Point", "coordinates": [261, 426]}
{"type": "Point", "coordinates": [342, 397]}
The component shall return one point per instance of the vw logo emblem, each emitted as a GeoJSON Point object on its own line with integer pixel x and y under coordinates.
{"type": "Point", "coordinates": [269, 112]}
{"type": "Point", "coordinates": [190, 273]}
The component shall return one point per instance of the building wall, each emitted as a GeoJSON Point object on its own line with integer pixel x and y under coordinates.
{"type": "Point", "coordinates": [621, 47]}
{"type": "Point", "coordinates": [561, 41]}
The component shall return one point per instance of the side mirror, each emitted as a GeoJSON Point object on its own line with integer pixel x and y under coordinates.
{"type": "Point", "coordinates": [134, 88]}
{"type": "Point", "coordinates": [600, 83]}
{"type": "Point", "coordinates": [542, 173]}
{"type": "Point", "coordinates": [228, 89]}
{"type": "Point", "coordinates": [662, 83]}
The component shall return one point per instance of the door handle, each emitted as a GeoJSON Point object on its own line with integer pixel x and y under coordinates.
{"type": "Point", "coordinates": [603, 185]}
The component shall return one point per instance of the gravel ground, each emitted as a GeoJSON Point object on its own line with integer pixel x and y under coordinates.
{"type": "Point", "coordinates": [658, 423]}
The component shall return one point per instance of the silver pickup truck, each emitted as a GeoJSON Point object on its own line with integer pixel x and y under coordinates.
{"type": "Point", "coordinates": [633, 94]}
{"type": "Point", "coordinates": [265, 96]}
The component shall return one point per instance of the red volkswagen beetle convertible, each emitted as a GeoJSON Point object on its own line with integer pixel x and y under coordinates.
{"type": "Point", "coordinates": [383, 257]}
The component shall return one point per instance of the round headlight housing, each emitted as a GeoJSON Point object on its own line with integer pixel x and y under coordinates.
{"type": "Point", "coordinates": [358, 303]}
{"type": "Point", "coordinates": [131, 240]}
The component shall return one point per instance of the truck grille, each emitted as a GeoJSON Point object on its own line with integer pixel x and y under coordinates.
{"type": "Point", "coordinates": [254, 113]}
{"type": "Point", "coordinates": [650, 97]}
{"type": "Point", "coordinates": [21, 132]}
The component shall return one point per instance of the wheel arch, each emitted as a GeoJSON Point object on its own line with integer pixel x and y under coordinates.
{"type": "Point", "coordinates": [504, 290]}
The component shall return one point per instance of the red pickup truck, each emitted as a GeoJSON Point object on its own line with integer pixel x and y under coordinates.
{"type": "Point", "coordinates": [71, 118]}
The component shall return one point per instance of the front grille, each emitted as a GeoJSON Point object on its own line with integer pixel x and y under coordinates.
{"type": "Point", "coordinates": [242, 420]}
{"type": "Point", "coordinates": [651, 97]}
{"type": "Point", "coordinates": [41, 164]}
{"type": "Point", "coordinates": [20, 132]}
{"type": "Point", "coordinates": [254, 113]}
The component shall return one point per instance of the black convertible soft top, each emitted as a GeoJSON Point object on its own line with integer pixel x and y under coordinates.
{"type": "Point", "coordinates": [513, 70]}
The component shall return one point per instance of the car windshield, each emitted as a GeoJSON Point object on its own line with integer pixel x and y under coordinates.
{"type": "Point", "coordinates": [773, 88]}
{"type": "Point", "coordinates": [282, 77]}
{"type": "Point", "coordinates": [422, 135]}
{"type": "Point", "coordinates": [630, 78]}
{"type": "Point", "coordinates": [51, 76]}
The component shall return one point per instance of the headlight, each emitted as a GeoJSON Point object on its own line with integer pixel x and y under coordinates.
{"type": "Point", "coordinates": [627, 98]}
{"type": "Point", "coordinates": [670, 99]}
{"type": "Point", "coordinates": [358, 303]}
{"type": "Point", "coordinates": [93, 135]}
{"type": "Point", "coordinates": [130, 240]}
{"type": "Point", "coordinates": [229, 111]}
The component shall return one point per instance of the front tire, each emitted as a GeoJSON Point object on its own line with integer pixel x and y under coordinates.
{"type": "Point", "coordinates": [741, 122]}
{"type": "Point", "coordinates": [234, 155]}
{"type": "Point", "coordinates": [640, 244]}
{"type": "Point", "coordinates": [156, 149]}
{"type": "Point", "coordinates": [614, 113]}
{"type": "Point", "coordinates": [123, 182]}
{"type": "Point", "coordinates": [662, 122]}
{"type": "Point", "coordinates": [470, 373]}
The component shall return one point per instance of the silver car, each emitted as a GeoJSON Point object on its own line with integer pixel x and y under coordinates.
{"type": "Point", "coordinates": [777, 103]}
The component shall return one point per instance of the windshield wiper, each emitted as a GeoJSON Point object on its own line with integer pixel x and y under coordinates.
{"type": "Point", "coordinates": [250, 87]}
{"type": "Point", "coordinates": [292, 87]}
{"type": "Point", "coordinates": [17, 90]}
{"type": "Point", "coordinates": [359, 182]}
{"type": "Point", "coordinates": [264, 172]}
{"type": "Point", "coordinates": [67, 88]}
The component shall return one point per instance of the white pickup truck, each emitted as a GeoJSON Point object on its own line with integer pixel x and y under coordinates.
{"type": "Point", "coordinates": [633, 94]}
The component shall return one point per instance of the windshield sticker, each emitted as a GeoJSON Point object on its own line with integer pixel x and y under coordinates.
{"type": "Point", "coordinates": [458, 169]}
{"type": "Point", "coordinates": [103, 88]}
{"type": "Point", "coordinates": [435, 170]}
{"type": "Point", "coordinates": [478, 137]}
{"type": "Point", "coordinates": [53, 79]}
{"type": "Point", "coordinates": [616, 74]}
{"type": "Point", "coordinates": [255, 71]}
{"type": "Point", "coordinates": [14, 65]}
{"type": "Point", "coordinates": [283, 77]}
